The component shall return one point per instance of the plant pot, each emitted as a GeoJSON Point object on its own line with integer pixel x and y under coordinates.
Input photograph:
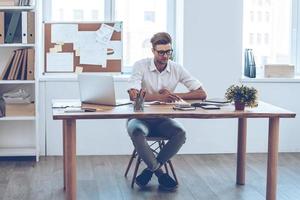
{"type": "Point", "coordinates": [239, 105]}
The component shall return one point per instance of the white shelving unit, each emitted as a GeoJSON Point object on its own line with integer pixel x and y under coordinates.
{"type": "Point", "coordinates": [17, 8]}
{"type": "Point", "coordinates": [19, 134]}
{"type": "Point", "coordinates": [17, 45]}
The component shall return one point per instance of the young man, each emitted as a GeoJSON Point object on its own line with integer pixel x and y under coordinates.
{"type": "Point", "coordinates": [159, 76]}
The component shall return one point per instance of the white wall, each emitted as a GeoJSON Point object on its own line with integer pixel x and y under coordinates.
{"type": "Point", "coordinates": [212, 51]}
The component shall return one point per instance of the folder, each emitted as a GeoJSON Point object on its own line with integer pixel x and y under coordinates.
{"type": "Point", "coordinates": [19, 65]}
{"type": "Point", "coordinates": [31, 27]}
{"type": "Point", "coordinates": [14, 65]}
{"type": "Point", "coordinates": [30, 64]}
{"type": "Point", "coordinates": [7, 68]}
{"type": "Point", "coordinates": [24, 27]}
{"type": "Point", "coordinates": [1, 27]}
{"type": "Point", "coordinates": [12, 26]}
{"type": "Point", "coordinates": [23, 73]}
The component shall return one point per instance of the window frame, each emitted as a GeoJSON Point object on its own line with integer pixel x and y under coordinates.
{"type": "Point", "coordinates": [295, 41]}
{"type": "Point", "coordinates": [109, 15]}
{"type": "Point", "coordinates": [295, 35]}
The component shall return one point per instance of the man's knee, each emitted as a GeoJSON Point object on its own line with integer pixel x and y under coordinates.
{"type": "Point", "coordinates": [135, 128]}
{"type": "Point", "coordinates": [136, 133]}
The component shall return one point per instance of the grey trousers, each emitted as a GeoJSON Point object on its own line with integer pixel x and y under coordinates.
{"type": "Point", "coordinates": [138, 129]}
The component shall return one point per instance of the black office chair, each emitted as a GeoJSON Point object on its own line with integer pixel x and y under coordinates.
{"type": "Point", "coordinates": [156, 144]}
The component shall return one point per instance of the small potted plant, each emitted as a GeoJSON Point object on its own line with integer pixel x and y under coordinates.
{"type": "Point", "coordinates": [242, 96]}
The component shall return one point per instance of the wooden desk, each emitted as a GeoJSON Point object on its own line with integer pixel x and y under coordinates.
{"type": "Point", "coordinates": [264, 110]}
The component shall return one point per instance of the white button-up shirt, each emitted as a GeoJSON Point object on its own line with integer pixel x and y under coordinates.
{"type": "Point", "coordinates": [146, 75]}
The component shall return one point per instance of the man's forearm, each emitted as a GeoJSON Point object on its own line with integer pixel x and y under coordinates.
{"type": "Point", "coordinates": [152, 97]}
{"type": "Point", "coordinates": [193, 95]}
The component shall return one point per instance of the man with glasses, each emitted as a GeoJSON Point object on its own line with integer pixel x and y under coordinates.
{"type": "Point", "coordinates": [159, 76]}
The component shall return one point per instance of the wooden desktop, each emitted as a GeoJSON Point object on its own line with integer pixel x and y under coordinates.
{"type": "Point", "coordinates": [264, 110]}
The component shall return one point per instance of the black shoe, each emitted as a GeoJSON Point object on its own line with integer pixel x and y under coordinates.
{"type": "Point", "coordinates": [167, 183]}
{"type": "Point", "coordinates": [143, 179]}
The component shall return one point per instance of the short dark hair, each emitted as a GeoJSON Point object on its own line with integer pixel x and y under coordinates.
{"type": "Point", "coordinates": [161, 38]}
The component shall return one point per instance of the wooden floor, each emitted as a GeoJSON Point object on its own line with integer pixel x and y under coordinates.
{"type": "Point", "coordinates": [206, 177]}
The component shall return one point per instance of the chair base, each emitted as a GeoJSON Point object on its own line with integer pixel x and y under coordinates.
{"type": "Point", "coordinates": [168, 165]}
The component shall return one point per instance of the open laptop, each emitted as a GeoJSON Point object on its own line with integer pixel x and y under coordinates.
{"type": "Point", "coordinates": [98, 89]}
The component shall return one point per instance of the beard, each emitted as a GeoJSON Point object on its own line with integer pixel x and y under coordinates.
{"type": "Point", "coordinates": [162, 61]}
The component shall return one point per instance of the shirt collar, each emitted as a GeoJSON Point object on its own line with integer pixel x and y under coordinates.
{"type": "Point", "coordinates": [152, 66]}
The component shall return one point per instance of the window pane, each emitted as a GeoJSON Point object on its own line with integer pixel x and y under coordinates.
{"type": "Point", "coordinates": [267, 30]}
{"type": "Point", "coordinates": [141, 19]}
{"type": "Point", "coordinates": [77, 10]}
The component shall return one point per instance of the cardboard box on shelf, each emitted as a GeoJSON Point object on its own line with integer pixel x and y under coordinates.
{"type": "Point", "coordinates": [279, 71]}
{"type": "Point", "coordinates": [7, 3]}
{"type": "Point", "coordinates": [20, 110]}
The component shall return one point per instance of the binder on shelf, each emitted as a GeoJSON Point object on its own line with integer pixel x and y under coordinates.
{"type": "Point", "coordinates": [30, 27]}
{"type": "Point", "coordinates": [12, 23]}
{"type": "Point", "coordinates": [30, 64]}
{"type": "Point", "coordinates": [7, 68]}
{"type": "Point", "coordinates": [24, 66]}
{"type": "Point", "coordinates": [14, 65]}
{"type": "Point", "coordinates": [19, 65]}
{"type": "Point", "coordinates": [24, 27]}
{"type": "Point", "coordinates": [1, 27]}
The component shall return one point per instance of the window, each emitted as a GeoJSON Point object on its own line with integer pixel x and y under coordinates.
{"type": "Point", "coordinates": [141, 19]}
{"type": "Point", "coordinates": [276, 41]}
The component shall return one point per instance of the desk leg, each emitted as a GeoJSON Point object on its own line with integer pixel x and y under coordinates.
{"type": "Point", "coordinates": [70, 159]}
{"type": "Point", "coordinates": [241, 151]}
{"type": "Point", "coordinates": [272, 158]}
{"type": "Point", "coordinates": [64, 150]}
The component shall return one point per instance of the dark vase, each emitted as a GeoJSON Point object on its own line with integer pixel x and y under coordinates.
{"type": "Point", "coordinates": [239, 105]}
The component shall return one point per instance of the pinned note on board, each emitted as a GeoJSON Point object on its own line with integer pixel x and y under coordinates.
{"type": "Point", "coordinates": [96, 47]}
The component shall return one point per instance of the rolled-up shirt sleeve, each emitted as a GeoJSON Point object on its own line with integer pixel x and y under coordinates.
{"type": "Point", "coordinates": [135, 80]}
{"type": "Point", "coordinates": [188, 80]}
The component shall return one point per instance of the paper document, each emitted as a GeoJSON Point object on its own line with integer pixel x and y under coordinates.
{"type": "Point", "coordinates": [59, 62]}
{"type": "Point", "coordinates": [181, 103]}
{"type": "Point", "coordinates": [64, 33]}
{"type": "Point", "coordinates": [104, 34]}
{"type": "Point", "coordinates": [64, 103]}
{"type": "Point", "coordinates": [118, 26]}
{"type": "Point", "coordinates": [116, 48]}
{"type": "Point", "coordinates": [93, 55]}
{"type": "Point", "coordinates": [90, 51]}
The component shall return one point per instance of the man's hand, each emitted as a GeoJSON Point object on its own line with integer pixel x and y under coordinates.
{"type": "Point", "coordinates": [167, 96]}
{"type": "Point", "coordinates": [132, 94]}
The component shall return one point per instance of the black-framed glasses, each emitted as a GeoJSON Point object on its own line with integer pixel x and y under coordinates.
{"type": "Point", "coordinates": [167, 52]}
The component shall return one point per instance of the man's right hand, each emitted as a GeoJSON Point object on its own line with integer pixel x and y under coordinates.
{"type": "Point", "coordinates": [132, 94]}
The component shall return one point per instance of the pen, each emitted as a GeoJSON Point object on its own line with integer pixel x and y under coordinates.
{"type": "Point", "coordinates": [140, 93]}
{"type": "Point", "coordinates": [143, 94]}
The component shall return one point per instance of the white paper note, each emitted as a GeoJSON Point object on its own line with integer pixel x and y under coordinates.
{"type": "Point", "coordinates": [85, 39]}
{"type": "Point", "coordinates": [92, 55]}
{"type": "Point", "coordinates": [64, 33]}
{"type": "Point", "coordinates": [117, 49]}
{"type": "Point", "coordinates": [104, 33]}
{"type": "Point", "coordinates": [59, 62]}
{"type": "Point", "coordinates": [118, 26]}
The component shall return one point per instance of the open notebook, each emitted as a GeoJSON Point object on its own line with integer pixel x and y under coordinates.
{"type": "Point", "coordinates": [180, 102]}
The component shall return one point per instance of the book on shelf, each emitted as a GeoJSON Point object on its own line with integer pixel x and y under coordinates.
{"type": "Point", "coordinates": [24, 3]}
{"type": "Point", "coordinates": [20, 65]}
{"type": "Point", "coordinates": [15, 2]}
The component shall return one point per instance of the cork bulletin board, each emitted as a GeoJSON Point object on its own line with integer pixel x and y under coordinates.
{"type": "Point", "coordinates": [86, 47]}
